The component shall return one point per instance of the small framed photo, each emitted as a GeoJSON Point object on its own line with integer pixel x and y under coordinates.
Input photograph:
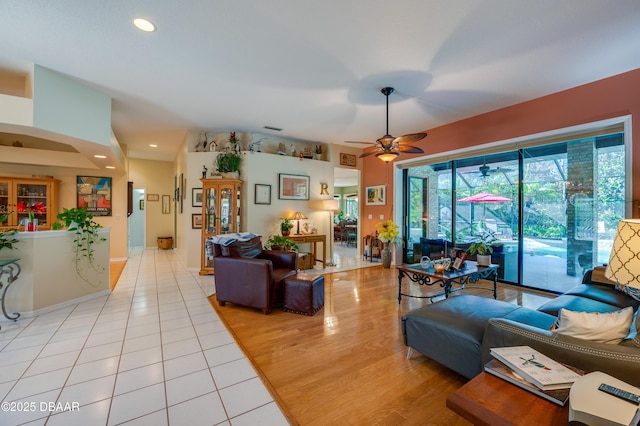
{"type": "Point", "coordinates": [262, 194]}
{"type": "Point", "coordinates": [457, 263]}
{"type": "Point", "coordinates": [347, 159]}
{"type": "Point", "coordinates": [293, 187]}
{"type": "Point", "coordinates": [141, 204]}
{"type": "Point", "coordinates": [196, 221]}
{"type": "Point", "coordinates": [153, 197]}
{"type": "Point", "coordinates": [196, 197]}
{"type": "Point", "coordinates": [376, 195]}
{"type": "Point", "coordinates": [446, 263]}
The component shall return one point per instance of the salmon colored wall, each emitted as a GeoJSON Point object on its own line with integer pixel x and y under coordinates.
{"type": "Point", "coordinates": [612, 97]}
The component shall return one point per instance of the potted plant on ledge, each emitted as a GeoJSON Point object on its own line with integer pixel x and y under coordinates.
{"type": "Point", "coordinates": [85, 230]}
{"type": "Point", "coordinates": [482, 246]}
{"type": "Point", "coordinates": [285, 227]}
{"type": "Point", "coordinates": [228, 161]}
{"type": "Point", "coordinates": [5, 241]}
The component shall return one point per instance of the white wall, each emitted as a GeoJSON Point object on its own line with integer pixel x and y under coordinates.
{"type": "Point", "coordinates": [262, 219]}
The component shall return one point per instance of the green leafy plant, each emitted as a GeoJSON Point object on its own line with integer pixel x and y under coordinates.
{"type": "Point", "coordinates": [277, 242]}
{"type": "Point", "coordinates": [228, 161]}
{"type": "Point", "coordinates": [483, 243]}
{"type": "Point", "coordinates": [286, 225]}
{"type": "Point", "coordinates": [5, 241]}
{"type": "Point", "coordinates": [85, 230]}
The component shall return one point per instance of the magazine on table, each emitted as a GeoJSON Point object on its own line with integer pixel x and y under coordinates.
{"type": "Point", "coordinates": [536, 367]}
{"type": "Point", "coordinates": [498, 369]}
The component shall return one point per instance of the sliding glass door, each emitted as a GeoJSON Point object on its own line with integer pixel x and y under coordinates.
{"type": "Point", "coordinates": [573, 196]}
{"type": "Point", "coordinates": [553, 208]}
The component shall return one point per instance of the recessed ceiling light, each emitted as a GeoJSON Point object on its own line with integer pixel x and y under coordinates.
{"type": "Point", "coordinates": [144, 25]}
{"type": "Point", "coordinates": [100, 156]}
{"type": "Point", "coordinates": [110, 167]}
{"type": "Point", "coordinates": [153, 145]}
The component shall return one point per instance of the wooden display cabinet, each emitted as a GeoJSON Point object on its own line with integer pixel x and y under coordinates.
{"type": "Point", "coordinates": [18, 195]}
{"type": "Point", "coordinates": [220, 214]}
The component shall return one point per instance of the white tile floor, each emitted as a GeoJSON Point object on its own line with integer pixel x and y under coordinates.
{"type": "Point", "coordinates": [154, 352]}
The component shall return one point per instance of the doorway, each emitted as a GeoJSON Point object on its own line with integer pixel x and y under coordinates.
{"type": "Point", "coordinates": [136, 221]}
{"type": "Point", "coordinates": [346, 225]}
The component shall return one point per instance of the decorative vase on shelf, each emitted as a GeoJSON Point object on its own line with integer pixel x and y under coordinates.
{"type": "Point", "coordinates": [386, 255]}
{"type": "Point", "coordinates": [30, 225]}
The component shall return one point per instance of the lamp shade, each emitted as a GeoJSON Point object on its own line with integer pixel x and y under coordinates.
{"type": "Point", "coordinates": [297, 216]}
{"type": "Point", "coordinates": [624, 263]}
{"type": "Point", "coordinates": [330, 205]}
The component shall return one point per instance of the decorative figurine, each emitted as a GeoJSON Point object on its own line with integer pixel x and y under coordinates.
{"type": "Point", "coordinates": [204, 171]}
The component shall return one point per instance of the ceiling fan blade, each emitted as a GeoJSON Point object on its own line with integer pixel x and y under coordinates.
{"type": "Point", "coordinates": [410, 149]}
{"type": "Point", "coordinates": [364, 143]}
{"type": "Point", "coordinates": [411, 137]}
{"type": "Point", "coordinates": [366, 154]}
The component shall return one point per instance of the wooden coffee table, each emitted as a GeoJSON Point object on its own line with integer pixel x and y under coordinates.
{"type": "Point", "coordinates": [491, 401]}
{"type": "Point", "coordinates": [470, 274]}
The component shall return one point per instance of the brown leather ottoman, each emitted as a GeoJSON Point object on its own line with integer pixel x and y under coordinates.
{"type": "Point", "coordinates": [304, 293]}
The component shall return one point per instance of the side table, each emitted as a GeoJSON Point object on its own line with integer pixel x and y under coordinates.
{"type": "Point", "coordinates": [11, 269]}
{"type": "Point", "coordinates": [490, 401]}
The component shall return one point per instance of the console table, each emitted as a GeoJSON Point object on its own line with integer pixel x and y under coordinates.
{"type": "Point", "coordinates": [313, 239]}
{"type": "Point", "coordinates": [490, 401]}
{"type": "Point", "coordinates": [11, 269]}
{"type": "Point", "coordinates": [470, 273]}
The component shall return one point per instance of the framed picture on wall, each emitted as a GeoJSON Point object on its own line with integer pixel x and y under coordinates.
{"type": "Point", "coordinates": [262, 194]}
{"type": "Point", "coordinates": [293, 187]}
{"type": "Point", "coordinates": [94, 193]}
{"type": "Point", "coordinates": [347, 159]}
{"type": "Point", "coordinates": [196, 221]}
{"type": "Point", "coordinates": [196, 197]}
{"type": "Point", "coordinates": [376, 195]}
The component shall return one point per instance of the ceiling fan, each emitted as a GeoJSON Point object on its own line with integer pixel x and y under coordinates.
{"type": "Point", "coordinates": [387, 148]}
{"type": "Point", "coordinates": [485, 170]}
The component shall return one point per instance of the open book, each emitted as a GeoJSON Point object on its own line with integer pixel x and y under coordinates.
{"type": "Point", "coordinates": [535, 367]}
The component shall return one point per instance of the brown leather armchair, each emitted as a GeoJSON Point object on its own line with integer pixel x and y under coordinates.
{"type": "Point", "coordinates": [247, 275]}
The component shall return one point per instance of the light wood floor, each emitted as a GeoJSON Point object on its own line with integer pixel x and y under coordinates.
{"type": "Point", "coordinates": [115, 269]}
{"type": "Point", "coordinates": [347, 364]}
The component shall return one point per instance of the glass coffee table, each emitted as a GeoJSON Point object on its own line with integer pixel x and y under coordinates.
{"type": "Point", "coordinates": [467, 276]}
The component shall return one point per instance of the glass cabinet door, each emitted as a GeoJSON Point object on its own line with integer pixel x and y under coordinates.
{"type": "Point", "coordinates": [32, 197]}
{"type": "Point", "coordinates": [226, 213]}
{"type": "Point", "coordinates": [4, 201]}
{"type": "Point", "coordinates": [210, 199]}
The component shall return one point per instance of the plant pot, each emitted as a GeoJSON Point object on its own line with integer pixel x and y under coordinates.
{"type": "Point", "coordinates": [286, 233]}
{"type": "Point", "coordinates": [231, 175]}
{"type": "Point", "coordinates": [483, 259]}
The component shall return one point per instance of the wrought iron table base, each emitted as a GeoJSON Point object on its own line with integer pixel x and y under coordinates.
{"type": "Point", "coordinates": [12, 270]}
{"type": "Point", "coordinates": [463, 280]}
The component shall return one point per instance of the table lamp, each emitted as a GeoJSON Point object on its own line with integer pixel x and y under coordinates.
{"type": "Point", "coordinates": [297, 216]}
{"type": "Point", "coordinates": [624, 262]}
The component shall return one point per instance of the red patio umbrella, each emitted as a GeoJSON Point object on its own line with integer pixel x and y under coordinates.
{"type": "Point", "coordinates": [483, 197]}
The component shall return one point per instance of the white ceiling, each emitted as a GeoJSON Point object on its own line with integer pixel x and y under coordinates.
{"type": "Point", "coordinates": [315, 69]}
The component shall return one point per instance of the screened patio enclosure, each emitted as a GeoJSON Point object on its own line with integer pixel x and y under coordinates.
{"type": "Point", "coordinates": [554, 207]}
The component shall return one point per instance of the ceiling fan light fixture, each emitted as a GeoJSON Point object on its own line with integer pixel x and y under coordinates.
{"type": "Point", "coordinates": [387, 156]}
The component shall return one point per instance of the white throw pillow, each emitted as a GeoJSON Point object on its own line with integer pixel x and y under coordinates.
{"type": "Point", "coordinates": [609, 327]}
